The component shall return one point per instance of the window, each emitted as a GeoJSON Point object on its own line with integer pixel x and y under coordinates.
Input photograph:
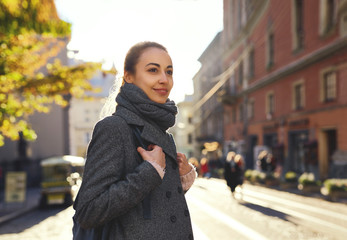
{"type": "Point", "coordinates": [329, 86]}
{"type": "Point", "coordinates": [270, 104]}
{"type": "Point", "coordinates": [190, 138]}
{"type": "Point", "coordinates": [270, 49]}
{"type": "Point", "coordinates": [343, 24]}
{"type": "Point", "coordinates": [251, 63]}
{"type": "Point", "coordinates": [241, 73]}
{"type": "Point", "coordinates": [232, 84]}
{"type": "Point", "coordinates": [239, 15]}
{"type": "Point", "coordinates": [298, 95]}
{"type": "Point", "coordinates": [330, 14]}
{"type": "Point", "coordinates": [241, 113]}
{"type": "Point", "coordinates": [250, 109]}
{"type": "Point", "coordinates": [86, 115]}
{"type": "Point", "coordinates": [327, 16]}
{"type": "Point", "coordinates": [298, 24]}
{"type": "Point", "coordinates": [250, 6]}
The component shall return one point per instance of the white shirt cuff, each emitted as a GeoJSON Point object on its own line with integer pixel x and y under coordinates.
{"type": "Point", "coordinates": [188, 179]}
{"type": "Point", "coordinates": [160, 170]}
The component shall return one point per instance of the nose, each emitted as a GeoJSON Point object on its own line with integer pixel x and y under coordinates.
{"type": "Point", "coordinates": [163, 78]}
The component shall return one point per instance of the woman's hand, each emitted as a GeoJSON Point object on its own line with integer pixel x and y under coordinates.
{"type": "Point", "coordinates": [183, 165]}
{"type": "Point", "coordinates": [155, 154]}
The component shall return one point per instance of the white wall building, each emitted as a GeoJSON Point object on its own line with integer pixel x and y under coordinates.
{"type": "Point", "coordinates": [84, 114]}
{"type": "Point", "coordinates": [183, 130]}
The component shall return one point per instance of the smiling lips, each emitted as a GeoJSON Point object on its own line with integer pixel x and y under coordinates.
{"type": "Point", "coordinates": [161, 91]}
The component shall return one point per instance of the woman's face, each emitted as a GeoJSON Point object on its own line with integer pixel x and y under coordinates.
{"type": "Point", "coordinates": [153, 74]}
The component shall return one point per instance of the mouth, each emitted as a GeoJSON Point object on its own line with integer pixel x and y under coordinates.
{"type": "Point", "coordinates": [161, 91]}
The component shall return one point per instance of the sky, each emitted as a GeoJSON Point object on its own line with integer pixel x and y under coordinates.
{"type": "Point", "coordinates": [104, 30]}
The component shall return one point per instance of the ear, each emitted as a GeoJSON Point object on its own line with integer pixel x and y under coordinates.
{"type": "Point", "coordinates": [128, 77]}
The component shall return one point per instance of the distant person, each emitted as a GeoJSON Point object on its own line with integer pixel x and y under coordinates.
{"type": "Point", "coordinates": [233, 171]}
{"type": "Point", "coordinates": [205, 171]}
{"type": "Point", "coordinates": [134, 180]}
{"type": "Point", "coordinates": [266, 161]}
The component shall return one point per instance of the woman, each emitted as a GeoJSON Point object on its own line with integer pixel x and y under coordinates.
{"type": "Point", "coordinates": [138, 193]}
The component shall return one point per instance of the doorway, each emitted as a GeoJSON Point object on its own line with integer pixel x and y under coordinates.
{"type": "Point", "coordinates": [328, 140]}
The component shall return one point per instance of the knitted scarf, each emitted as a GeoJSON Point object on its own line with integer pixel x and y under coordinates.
{"type": "Point", "coordinates": [135, 100]}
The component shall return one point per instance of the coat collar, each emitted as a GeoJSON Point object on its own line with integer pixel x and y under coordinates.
{"type": "Point", "coordinates": [150, 133]}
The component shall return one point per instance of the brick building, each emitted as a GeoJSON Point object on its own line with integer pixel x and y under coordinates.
{"type": "Point", "coordinates": [285, 82]}
{"type": "Point", "coordinates": [207, 112]}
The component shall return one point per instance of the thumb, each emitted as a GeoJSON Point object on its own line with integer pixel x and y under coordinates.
{"type": "Point", "coordinates": [140, 150]}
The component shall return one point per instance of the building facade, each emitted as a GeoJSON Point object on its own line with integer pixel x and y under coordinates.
{"type": "Point", "coordinates": [284, 82]}
{"type": "Point", "coordinates": [85, 113]}
{"type": "Point", "coordinates": [207, 110]}
{"type": "Point", "coordinates": [183, 130]}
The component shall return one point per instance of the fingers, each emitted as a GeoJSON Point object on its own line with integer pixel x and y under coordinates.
{"type": "Point", "coordinates": [181, 157]}
{"type": "Point", "coordinates": [183, 165]}
{"type": "Point", "coordinates": [150, 147]}
{"type": "Point", "coordinates": [155, 155]}
{"type": "Point", "coordinates": [140, 150]}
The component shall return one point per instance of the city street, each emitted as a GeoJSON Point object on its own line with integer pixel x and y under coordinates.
{"type": "Point", "coordinates": [255, 213]}
{"type": "Point", "coordinates": [262, 213]}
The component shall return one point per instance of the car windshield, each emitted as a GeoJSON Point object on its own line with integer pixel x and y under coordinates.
{"type": "Point", "coordinates": [55, 173]}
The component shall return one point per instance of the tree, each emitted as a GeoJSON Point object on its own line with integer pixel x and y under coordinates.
{"type": "Point", "coordinates": [31, 34]}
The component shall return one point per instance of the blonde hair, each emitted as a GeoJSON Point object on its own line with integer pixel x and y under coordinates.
{"type": "Point", "coordinates": [203, 160]}
{"type": "Point", "coordinates": [230, 156]}
{"type": "Point", "coordinates": [110, 104]}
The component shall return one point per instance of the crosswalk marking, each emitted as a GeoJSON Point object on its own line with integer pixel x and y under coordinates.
{"type": "Point", "coordinates": [235, 225]}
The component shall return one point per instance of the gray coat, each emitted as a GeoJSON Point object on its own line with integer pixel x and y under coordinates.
{"type": "Point", "coordinates": [116, 180]}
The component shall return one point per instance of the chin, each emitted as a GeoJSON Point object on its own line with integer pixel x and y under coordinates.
{"type": "Point", "coordinates": [161, 101]}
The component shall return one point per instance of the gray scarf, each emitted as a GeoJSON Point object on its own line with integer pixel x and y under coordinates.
{"type": "Point", "coordinates": [134, 99]}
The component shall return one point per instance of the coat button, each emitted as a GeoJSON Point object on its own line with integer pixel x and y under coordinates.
{"type": "Point", "coordinates": [190, 237]}
{"type": "Point", "coordinates": [173, 219]}
{"type": "Point", "coordinates": [168, 194]}
{"type": "Point", "coordinates": [179, 190]}
{"type": "Point", "coordinates": [186, 213]}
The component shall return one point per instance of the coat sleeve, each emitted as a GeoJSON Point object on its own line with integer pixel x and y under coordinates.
{"type": "Point", "coordinates": [107, 191]}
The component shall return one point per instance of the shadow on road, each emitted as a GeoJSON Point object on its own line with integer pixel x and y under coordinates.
{"type": "Point", "coordinates": [29, 220]}
{"type": "Point", "coordinates": [266, 211]}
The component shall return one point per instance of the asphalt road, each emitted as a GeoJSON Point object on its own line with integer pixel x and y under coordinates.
{"type": "Point", "coordinates": [254, 213]}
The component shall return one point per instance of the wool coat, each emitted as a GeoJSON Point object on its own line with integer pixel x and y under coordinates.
{"type": "Point", "coordinates": [116, 180]}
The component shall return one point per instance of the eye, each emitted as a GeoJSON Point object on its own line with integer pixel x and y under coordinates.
{"type": "Point", "coordinates": [152, 70]}
{"type": "Point", "coordinates": [170, 72]}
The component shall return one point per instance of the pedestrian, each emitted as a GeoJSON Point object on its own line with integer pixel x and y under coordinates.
{"type": "Point", "coordinates": [233, 171]}
{"type": "Point", "coordinates": [127, 191]}
{"type": "Point", "coordinates": [267, 162]}
{"type": "Point", "coordinates": [204, 168]}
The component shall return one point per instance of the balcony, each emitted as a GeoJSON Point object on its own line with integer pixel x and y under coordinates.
{"type": "Point", "coordinates": [227, 96]}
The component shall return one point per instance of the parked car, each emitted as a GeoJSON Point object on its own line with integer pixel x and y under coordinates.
{"type": "Point", "coordinates": [61, 178]}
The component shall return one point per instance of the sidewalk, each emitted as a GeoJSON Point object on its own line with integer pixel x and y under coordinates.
{"type": "Point", "coordinates": [9, 211]}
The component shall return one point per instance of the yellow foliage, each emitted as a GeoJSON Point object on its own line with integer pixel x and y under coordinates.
{"type": "Point", "coordinates": [29, 39]}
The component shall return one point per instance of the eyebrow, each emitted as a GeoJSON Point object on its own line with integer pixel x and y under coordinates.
{"type": "Point", "coordinates": [158, 65]}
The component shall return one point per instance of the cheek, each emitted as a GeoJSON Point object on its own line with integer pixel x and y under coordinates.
{"type": "Point", "coordinates": [171, 84]}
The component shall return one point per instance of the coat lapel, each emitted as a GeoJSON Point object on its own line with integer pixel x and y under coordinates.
{"type": "Point", "coordinates": [160, 138]}
{"type": "Point", "coordinates": [150, 133]}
